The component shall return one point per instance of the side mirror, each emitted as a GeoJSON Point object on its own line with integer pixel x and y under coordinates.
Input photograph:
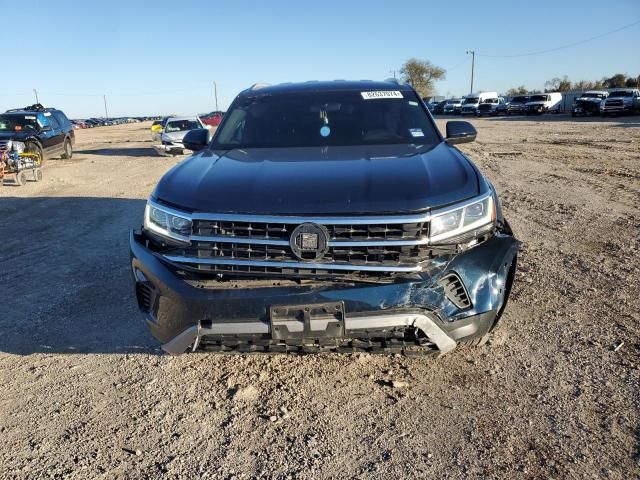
{"type": "Point", "coordinates": [196, 139]}
{"type": "Point", "coordinates": [460, 132]}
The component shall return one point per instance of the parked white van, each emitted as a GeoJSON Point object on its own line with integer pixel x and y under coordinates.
{"type": "Point", "coordinates": [471, 102]}
{"type": "Point", "coordinates": [544, 102]}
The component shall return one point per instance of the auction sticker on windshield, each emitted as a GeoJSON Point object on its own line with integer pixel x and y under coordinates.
{"type": "Point", "coordinates": [381, 94]}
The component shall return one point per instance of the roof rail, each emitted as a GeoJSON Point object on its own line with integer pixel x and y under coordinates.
{"type": "Point", "coordinates": [36, 107]}
{"type": "Point", "coordinates": [258, 86]}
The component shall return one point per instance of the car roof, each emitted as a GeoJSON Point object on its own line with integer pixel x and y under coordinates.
{"type": "Point", "coordinates": [25, 112]}
{"type": "Point", "coordinates": [595, 91]}
{"type": "Point", "coordinates": [313, 86]}
{"type": "Point", "coordinates": [177, 119]}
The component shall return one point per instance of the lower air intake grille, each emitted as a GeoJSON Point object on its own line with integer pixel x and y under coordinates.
{"type": "Point", "coordinates": [144, 296]}
{"type": "Point", "coordinates": [454, 290]}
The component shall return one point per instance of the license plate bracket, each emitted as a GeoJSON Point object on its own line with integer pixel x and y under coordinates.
{"type": "Point", "coordinates": [313, 321]}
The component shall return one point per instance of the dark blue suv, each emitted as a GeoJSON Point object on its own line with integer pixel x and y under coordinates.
{"type": "Point", "coordinates": [46, 131]}
{"type": "Point", "coordinates": [324, 216]}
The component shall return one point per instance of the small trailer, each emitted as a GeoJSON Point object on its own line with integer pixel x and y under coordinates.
{"type": "Point", "coordinates": [19, 163]}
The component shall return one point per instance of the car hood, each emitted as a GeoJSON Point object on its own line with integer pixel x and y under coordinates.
{"type": "Point", "coordinates": [589, 100]}
{"type": "Point", "coordinates": [624, 99]}
{"type": "Point", "coordinates": [175, 136]}
{"type": "Point", "coordinates": [15, 135]}
{"type": "Point", "coordinates": [321, 180]}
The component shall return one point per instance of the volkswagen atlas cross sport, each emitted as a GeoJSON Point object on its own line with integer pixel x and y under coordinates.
{"type": "Point", "coordinates": [324, 216]}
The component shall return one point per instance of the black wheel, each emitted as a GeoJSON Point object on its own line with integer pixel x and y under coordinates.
{"type": "Point", "coordinates": [21, 178]}
{"type": "Point", "coordinates": [573, 114]}
{"type": "Point", "coordinates": [67, 149]}
{"type": "Point", "coordinates": [35, 148]}
{"type": "Point", "coordinates": [476, 342]}
{"type": "Point", "coordinates": [37, 174]}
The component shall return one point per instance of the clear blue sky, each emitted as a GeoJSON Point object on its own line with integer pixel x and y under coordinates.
{"type": "Point", "coordinates": [163, 56]}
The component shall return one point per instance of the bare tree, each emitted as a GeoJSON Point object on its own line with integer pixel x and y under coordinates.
{"type": "Point", "coordinates": [521, 90]}
{"type": "Point", "coordinates": [558, 84]}
{"type": "Point", "coordinates": [421, 75]}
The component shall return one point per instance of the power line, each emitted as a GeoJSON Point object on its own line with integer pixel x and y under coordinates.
{"type": "Point", "coordinates": [139, 94]}
{"type": "Point", "coordinates": [568, 45]}
{"type": "Point", "coordinates": [457, 65]}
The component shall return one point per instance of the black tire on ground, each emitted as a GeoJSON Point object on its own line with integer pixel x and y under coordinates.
{"type": "Point", "coordinates": [34, 148]}
{"type": "Point", "coordinates": [476, 342]}
{"type": "Point", "coordinates": [67, 149]}
{"type": "Point", "coordinates": [21, 178]}
{"type": "Point", "coordinates": [573, 114]}
{"type": "Point", "coordinates": [37, 174]}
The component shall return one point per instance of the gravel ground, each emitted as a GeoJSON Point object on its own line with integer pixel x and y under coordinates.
{"type": "Point", "coordinates": [555, 394]}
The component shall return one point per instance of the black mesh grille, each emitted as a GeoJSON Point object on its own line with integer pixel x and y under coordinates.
{"type": "Point", "coordinates": [372, 255]}
{"type": "Point", "coordinates": [144, 294]}
{"type": "Point", "coordinates": [454, 290]}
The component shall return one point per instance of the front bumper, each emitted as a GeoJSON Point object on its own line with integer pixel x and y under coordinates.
{"type": "Point", "coordinates": [616, 108]}
{"type": "Point", "coordinates": [172, 149]}
{"type": "Point", "coordinates": [184, 316]}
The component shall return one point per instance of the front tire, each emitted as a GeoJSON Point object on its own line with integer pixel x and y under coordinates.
{"type": "Point", "coordinates": [21, 178]}
{"type": "Point", "coordinates": [35, 148]}
{"type": "Point", "coordinates": [67, 149]}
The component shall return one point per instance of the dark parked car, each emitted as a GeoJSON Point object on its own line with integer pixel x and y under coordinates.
{"type": "Point", "coordinates": [588, 103]}
{"type": "Point", "coordinates": [46, 131]}
{"type": "Point", "coordinates": [517, 105]}
{"type": "Point", "coordinates": [324, 216]}
{"type": "Point", "coordinates": [438, 109]}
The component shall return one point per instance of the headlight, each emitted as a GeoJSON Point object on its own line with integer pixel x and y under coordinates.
{"type": "Point", "coordinates": [464, 221]}
{"type": "Point", "coordinates": [167, 222]}
{"type": "Point", "coordinates": [17, 147]}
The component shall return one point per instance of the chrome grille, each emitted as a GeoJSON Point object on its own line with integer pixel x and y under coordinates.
{"type": "Point", "coordinates": [282, 231]}
{"type": "Point", "coordinates": [225, 243]}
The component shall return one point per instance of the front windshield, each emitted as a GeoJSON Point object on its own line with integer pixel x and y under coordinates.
{"type": "Point", "coordinates": [18, 123]}
{"type": "Point", "coordinates": [470, 100]}
{"type": "Point", "coordinates": [539, 98]}
{"type": "Point", "coordinates": [325, 118]}
{"type": "Point", "coordinates": [453, 101]}
{"type": "Point", "coordinates": [519, 99]}
{"type": "Point", "coordinates": [181, 125]}
{"type": "Point", "coordinates": [621, 93]}
{"type": "Point", "coordinates": [490, 100]}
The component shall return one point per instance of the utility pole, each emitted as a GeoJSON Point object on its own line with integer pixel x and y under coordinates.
{"type": "Point", "coordinates": [473, 63]}
{"type": "Point", "coordinates": [36, 93]}
{"type": "Point", "coordinates": [215, 94]}
{"type": "Point", "coordinates": [393, 72]}
{"type": "Point", "coordinates": [106, 112]}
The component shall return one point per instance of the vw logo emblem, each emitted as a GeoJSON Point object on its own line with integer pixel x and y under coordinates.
{"type": "Point", "coordinates": [309, 241]}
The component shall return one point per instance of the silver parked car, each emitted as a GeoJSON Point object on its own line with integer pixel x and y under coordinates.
{"type": "Point", "coordinates": [173, 133]}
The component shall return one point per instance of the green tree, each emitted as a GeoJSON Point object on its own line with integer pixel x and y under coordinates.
{"type": "Point", "coordinates": [421, 75]}
{"type": "Point", "coordinates": [633, 82]}
{"type": "Point", "coordinates": [521, 90]}
{"type": "Point", "coordinates": [619, 80]}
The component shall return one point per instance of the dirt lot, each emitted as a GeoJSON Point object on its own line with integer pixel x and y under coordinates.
{"type": "Point", "coordinates": [87, 394]}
